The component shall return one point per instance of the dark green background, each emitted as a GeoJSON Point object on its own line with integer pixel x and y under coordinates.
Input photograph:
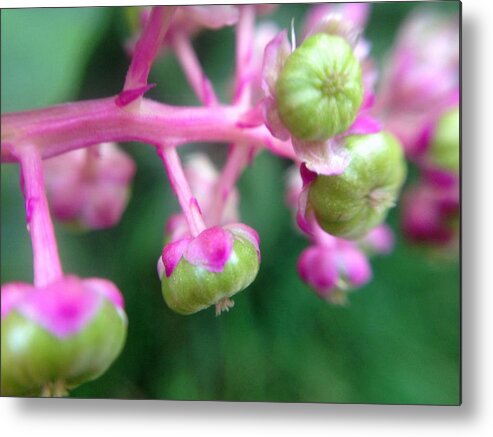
{"type": "Point", "coordinates": [397, 342]}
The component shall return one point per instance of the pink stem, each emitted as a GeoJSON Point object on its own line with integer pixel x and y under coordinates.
{"type": "Point", "coordinates": [147, 46]}
{"type": "Point", "coordinates": [47, 266]}
{"type": "Point", "coordinates": [193, 70]}
{"type": "Point", "coordinates": [70, 126]}
{"type": "Point", "coordinates": [235, 164]}
{"type": "Point", "coordinates": [244, 54]}
{"type": "Point", "coordinates": [239, 153]}
{"type": "Point", "coordinates": [181, 188]}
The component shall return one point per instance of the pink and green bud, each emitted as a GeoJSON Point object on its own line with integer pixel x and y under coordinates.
{"type": "Point", "coordinates": [209, 269]}
{"type": "Point", "coordinates": [333, 271]}
{"type": "Point", "coordinates": [57, 337]}
{"type": "Point", "coordinates": [350, 204]}
{"type": "Point", "coordinates": [90, 188]}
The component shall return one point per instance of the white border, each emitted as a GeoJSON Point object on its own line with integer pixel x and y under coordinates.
{"type": "Point", "coordinates": [474, 418]}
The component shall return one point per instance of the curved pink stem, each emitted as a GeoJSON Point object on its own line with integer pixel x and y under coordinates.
{"type": "Point", "coordinates": [193, 70]}
{"type": "Point", "coordinates": [47, 266]}
{"type": "Point", "coordinates": [147, 47]}
{"type": "Point", "coordinates": [240, 154]}
{"type": "Point", "coordinates": [181, 188]}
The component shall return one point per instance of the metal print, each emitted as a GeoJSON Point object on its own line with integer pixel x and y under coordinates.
{"type": "Point", "coordinates": [232, 202]}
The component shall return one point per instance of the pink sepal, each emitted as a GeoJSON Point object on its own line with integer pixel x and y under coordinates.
{"type": "Point", "coordinates": [364, 124]}
{"type": "Point", "coordinates": [211, 249]}
{"type": "Point", "coordinates": [63, 307]}
{"type": "Point", "coordinates": [353, 266]}
{"type": "Point", "coordinates": [172, 254]}
{"type": "Point", "coordinates": [243, 231]}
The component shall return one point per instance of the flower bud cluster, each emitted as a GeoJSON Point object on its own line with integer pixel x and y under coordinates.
{"type": "Point", "coordinates": [333, 266]}
{"type": "Point", "coordinates": [419, 102]}
{"type": "Point", "coordinates": [321, 91]}
{"type": "Point", "coordinates": [90, 188]}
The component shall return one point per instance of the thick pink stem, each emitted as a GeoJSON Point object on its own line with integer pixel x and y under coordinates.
{"type": "Point", "coordinates": [193, 70]}
{"type": "Point", "coordinates": [47, 266]}
{"type": "Point", "coordinates": [181, 188]}
{"type": "Point", "coordinates": [70, 126]}
{"type": "Point", "coordinates": [147, 47]}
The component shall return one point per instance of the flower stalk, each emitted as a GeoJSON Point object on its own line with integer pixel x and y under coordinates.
{"type": "Point", "coordinates": [47, 266]}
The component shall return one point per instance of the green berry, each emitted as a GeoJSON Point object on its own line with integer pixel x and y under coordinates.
{"type": "Point", "coordinates": [192, 288]}
{"type": "Point", "coordinates": [444, 148]}
{"type": "Point", "coordinates": [352, 203]}
{"type": "Point", "coordinates": [320, 88]}
{"type": "Point", "coordinates": [34, 361]}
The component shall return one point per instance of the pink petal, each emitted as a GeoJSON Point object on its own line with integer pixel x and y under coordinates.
{"type": "Point", "coordinates": [273, 121]}
{"type": "Point", "coordinates": [12, 294]}
{"type": "Point", "coordinates": [106, 289]}
{"type": "Point", "coordinates": [210, 250]}
{"type": "Point", "coordinates": [276, 53]}
{"type": "Point", "coordinates": [243, 231]}
{"type": "Point", "coordinates": [364, 124]}
{"type": "Point", "coordinates": [63, 308]}
{"type": "Point", "coordinates": [317, 267]}
{"type": "Point", "coordinates": [354, 266]}
{"type": "Point", "coordinates": [172, 254]}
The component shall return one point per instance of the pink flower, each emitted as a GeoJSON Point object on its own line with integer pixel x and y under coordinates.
{"type": "Point", "coordinates": [332, 269]}
{"type": "Point", "coordinates": [90, 187]}
{"type": "Point", "coordinates": [422, 77]}
{"type": "Point", "coordinates": [210, 250]}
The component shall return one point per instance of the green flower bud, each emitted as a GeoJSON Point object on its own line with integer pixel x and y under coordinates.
{"type": "Point", "coordinates": [352, 203]}
{"type": "Point", "coordinates": [35, 361]}
{"type": "Point", "coordinates": [320, 88]}
{"type": "Point", "coordinates": [444, 148]}
{"type": "Point", "coordinates": [191, 287]}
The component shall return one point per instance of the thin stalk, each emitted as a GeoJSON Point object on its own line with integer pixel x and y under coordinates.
{"type": "Point", "coordinates": [147, 46]}
{"type": "Point", "coordinates": [181, 188]}
{"type": "Point", "coordinates": [47, 266]}
{"type": "Point", "coordinates": [193, 70]}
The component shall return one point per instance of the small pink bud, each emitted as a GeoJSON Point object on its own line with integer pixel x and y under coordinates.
{"type": "Point", "coordinates": [430, 214]}
{"type": "Point", "coordinates": [90, 187]}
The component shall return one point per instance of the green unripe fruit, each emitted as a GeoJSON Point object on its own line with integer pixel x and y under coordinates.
{"type": "Point", "coordinates": [444, 148]}
{"type": "Point", "coordinates": [191, 288]}
{"type": "Point", "coordinates": [35, 361]}
{"type": "Point", "coordinates": [352, 203]}
{"type": "Point", "coordinates": [320, 88]}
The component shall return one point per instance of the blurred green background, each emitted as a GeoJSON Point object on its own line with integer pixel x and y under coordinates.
{"type": "Point", "coordinates": [398, 340]}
